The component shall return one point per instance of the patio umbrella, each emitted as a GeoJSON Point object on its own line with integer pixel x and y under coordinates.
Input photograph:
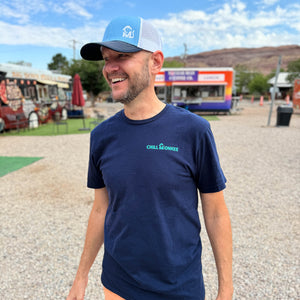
{"type": "Point", "coordinates": [77, 97]}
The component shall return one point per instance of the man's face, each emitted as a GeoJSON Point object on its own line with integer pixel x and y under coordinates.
{"type": "Point", "coordinates": [126, 73]}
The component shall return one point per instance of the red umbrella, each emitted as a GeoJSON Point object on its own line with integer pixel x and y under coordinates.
{"type": "Point", "coordinates": [77, 95]}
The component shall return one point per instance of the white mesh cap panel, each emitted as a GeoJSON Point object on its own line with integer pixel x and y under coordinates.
{"type": "Point", "coordinates": [149, 37]}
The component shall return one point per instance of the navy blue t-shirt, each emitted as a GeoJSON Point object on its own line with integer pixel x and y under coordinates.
{"type": "Point", "coordinates": [152, 169]}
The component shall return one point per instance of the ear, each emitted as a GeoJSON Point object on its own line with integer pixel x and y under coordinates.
{"type": "Point", "coordinates": [157, 60]}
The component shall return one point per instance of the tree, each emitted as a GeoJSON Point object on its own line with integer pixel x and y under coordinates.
{"type": "Point", "coordinates": [294, 69]}
{"type": "Point", "coordinates": [90, 73]}
{"type": "Point", "coordinates": [173, 64]}
{"type": "Point", "coordinates": [59, 63]}
{"type": "Point", "coordinates": [242, 78]}
{"type": "Point", "coordinates": [259, 84]}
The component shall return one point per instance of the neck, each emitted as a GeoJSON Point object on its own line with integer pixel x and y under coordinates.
{"type": "Point", "coordinates": [145, 106]}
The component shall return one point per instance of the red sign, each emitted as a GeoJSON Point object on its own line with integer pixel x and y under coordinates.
{"type": "Point", "coordinates": [296, 94]}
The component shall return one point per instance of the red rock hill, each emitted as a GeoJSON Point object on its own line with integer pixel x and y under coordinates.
{"type": "Point", "coordinates": [263, 59]}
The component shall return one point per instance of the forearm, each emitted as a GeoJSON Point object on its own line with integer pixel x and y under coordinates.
{"type": "Point", "coordinates": [218, 227]}
{"type": "Point", "coordinates": [219, 232]}
{"type": "Point", "coordinates": [94, 234]}
{"type": "Point", "coordinates": [93, 242]}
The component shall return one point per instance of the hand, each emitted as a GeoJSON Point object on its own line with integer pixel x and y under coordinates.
{"type": "Point", "coordinates": [225, 295]}
{"type": "Point", "coordinates": [78, 289]}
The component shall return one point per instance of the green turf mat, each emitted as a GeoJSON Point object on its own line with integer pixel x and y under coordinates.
{"type": "Point", "coordinates": [12, 163]}
{"type": "Point", "coordinates": [74, 126]}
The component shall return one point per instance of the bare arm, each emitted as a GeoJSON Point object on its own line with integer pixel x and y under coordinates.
{"type": "Point", "coordinates": [93, 242]}
{"type": "Point", "coordinates": [218, 227]}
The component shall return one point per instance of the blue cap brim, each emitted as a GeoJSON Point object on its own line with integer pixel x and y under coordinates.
{"type": "Point", "coordinates": [92, 51]}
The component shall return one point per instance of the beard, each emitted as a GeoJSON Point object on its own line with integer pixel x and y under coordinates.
{"type": "Point", "coordinates": [137, 83]}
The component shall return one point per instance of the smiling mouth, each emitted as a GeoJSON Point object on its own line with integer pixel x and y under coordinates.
{"type": "Point", "coordinates": [116, 80]}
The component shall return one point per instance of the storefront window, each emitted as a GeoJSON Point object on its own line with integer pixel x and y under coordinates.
{"type": "Point", "coordinates": [198, 92]}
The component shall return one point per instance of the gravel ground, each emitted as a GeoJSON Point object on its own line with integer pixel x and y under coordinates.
{"type": "Point", "coordinates": [45, 206]}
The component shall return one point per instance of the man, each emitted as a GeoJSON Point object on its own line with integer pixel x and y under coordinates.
{"type": "Point", "coordinates": [146, 165]}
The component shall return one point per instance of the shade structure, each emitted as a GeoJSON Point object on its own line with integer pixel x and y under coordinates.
{"type": "Point", "coordinates": [77, 95]}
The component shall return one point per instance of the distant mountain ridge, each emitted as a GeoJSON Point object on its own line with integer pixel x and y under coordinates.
{"type": "Point", "coordinates": [262, 59]}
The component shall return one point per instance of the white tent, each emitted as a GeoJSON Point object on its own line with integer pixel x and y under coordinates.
{"type": "Point", "coordinates": [281, 81]}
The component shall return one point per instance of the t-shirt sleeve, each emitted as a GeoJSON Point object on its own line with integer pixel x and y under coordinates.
{"type": "Point", "coordinates": [94, 178]}
{"type": "Point", "coordinates": [210, 177]}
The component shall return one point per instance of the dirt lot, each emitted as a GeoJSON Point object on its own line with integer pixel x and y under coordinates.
{"type": "Point", "coordinates": [45, 206]}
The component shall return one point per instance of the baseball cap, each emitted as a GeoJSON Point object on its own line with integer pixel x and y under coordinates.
{"type": "Point", "coordinates": [125, 34]}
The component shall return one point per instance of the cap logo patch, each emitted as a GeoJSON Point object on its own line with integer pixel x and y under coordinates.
{"type": "Point", "coordinates": [128, 32]}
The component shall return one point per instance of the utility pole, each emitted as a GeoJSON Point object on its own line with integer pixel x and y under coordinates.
{"type": "Point", "coordinates": [274, 89]}
{"type": "Point", "coordinates": [184, 55]}
{"type": "Point", "coordinates": [74, 49]}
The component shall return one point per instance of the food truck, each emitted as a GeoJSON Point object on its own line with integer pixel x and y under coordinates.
{"type": "Point", "coordinates": [30, 96]}
{"type": "Point", "coordinates": [196, 89]}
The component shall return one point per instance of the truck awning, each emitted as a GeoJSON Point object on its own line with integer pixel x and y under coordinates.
{"type": "Point", "coordinates": [51, 82]}
{"type": "Point", "coordinates": [63, 85]}
{"type": "Point", "coordinates": [48, 82]}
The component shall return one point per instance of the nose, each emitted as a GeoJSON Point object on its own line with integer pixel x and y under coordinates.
{"type": "Point", "coordinates": [111, 66]}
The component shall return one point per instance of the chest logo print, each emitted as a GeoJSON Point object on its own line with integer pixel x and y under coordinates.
{"type": "Point", "coordinates": [162, 147]}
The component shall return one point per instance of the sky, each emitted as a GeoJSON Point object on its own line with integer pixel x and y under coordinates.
{"type": "Point", "coordinates": [34, 31]}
